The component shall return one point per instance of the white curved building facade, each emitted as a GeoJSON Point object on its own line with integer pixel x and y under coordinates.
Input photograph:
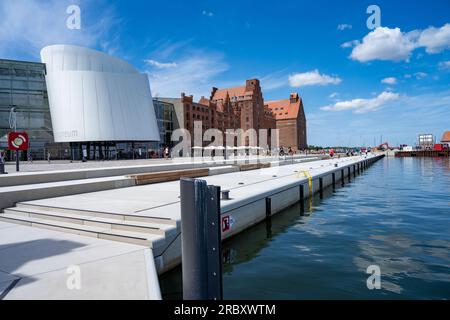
{"type": "Point", "coordinates": [95, 97]}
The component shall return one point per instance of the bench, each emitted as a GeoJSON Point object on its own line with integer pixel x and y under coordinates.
{"type": "Point", "coordinates": [163, 176]}
{"type": "Point", "coordinates": [253, 166]}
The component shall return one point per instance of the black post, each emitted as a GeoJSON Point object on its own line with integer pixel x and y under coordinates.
{"type": "Point", "coordinates": [201, 240]}
{"type": "Point", "coordinates": [302, 199]}
{"type": "Point", "coordinates": [17, 161]}
{"type": "Point", "coordinates": [334, 181]}
{"type": "Point", "coordinates": [321, 187]}
{"type": "Point", "coordinates": [268, 207]}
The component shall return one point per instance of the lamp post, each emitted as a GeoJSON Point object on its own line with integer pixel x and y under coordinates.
{"type": "Point", "coordinates": [13, 126]}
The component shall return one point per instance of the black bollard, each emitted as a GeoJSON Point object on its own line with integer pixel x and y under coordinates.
{"type": "Point", "coordinates": [201, 240]}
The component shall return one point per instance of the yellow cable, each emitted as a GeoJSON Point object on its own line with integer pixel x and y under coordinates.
{"type": "Point", "coordinates": [310, 185]}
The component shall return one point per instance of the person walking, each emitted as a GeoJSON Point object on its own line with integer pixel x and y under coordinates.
{"type": "Point", "coordinates": [166, 153]}
{"type": "Point", "coordinates": [2, 163]}
{"type": "Point", "coordinates": [30, 157]}
{"type": "Point", "coordinates": [48, 156]}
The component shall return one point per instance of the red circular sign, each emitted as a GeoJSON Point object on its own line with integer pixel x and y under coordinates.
{"type": "Point", "coordinates": [18, 141]}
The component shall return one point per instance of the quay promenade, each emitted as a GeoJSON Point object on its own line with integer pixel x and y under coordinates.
{"type": "Point", "coordinates": [149, 217]}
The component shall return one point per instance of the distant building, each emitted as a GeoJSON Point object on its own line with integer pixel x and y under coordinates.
{"type": "Point", "coordinates": [22, 86]}
{"type": "Point", "coordinates": [232, 108]}
{"type": "Point", "coordinates": [245, 106]}
{"type": "Point", "coordinates": [290, 121]}
{"type": "Point", "coordinates": [446, 137]}
{"type": "Point", "coordinates": [426, 141]}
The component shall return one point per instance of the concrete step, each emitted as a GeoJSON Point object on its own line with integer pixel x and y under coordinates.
{"type": "Point", "coordinates": [144, 239]}
{"type": "Point", "coordinates": [106, 223]}
{"type": "Point", "coordinates": [106, 215]}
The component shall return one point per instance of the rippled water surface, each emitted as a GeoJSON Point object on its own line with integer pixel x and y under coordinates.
{"type": "Point", "coordinates": [396, 215]}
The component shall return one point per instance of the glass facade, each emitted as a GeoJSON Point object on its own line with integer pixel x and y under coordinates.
{"type": "Point", "coordinates": [22, 86]}
{"type": "Point", "coordinates": [165, 114]}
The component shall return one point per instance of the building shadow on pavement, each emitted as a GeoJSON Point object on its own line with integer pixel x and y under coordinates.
{"type": "Point", "coordinates": [14, 256]}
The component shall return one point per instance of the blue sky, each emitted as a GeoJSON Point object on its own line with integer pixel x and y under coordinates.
{"type": "Point", "coordinates": [358, 85]}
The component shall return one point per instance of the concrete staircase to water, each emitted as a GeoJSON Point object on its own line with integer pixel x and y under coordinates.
{"type": "Point", "coordinates": [153, 232]}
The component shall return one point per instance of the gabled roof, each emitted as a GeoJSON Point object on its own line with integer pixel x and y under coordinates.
{"type": "Point", "coordinates": [204, 101]}
{"type": "Point", "coordinates": [446, 137]}
{"type": "Point", "coordinates": [232, 92]}
{"type": "Point", "coordinates": [284, 109]}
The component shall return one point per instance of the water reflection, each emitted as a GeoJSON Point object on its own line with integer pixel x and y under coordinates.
{"type": "Point", "coordinates": [395, 215]}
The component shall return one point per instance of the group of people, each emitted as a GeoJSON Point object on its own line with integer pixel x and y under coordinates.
{"type": "Point", "coordinates": [289, 152]}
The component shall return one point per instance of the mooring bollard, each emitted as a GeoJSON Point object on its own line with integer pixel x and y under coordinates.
{"type": "Point", "coordinates": [321, 188]}
{"type": "Point", "coordinates": [201, 240]}
{"type": "Point", "coordinates": [334, 181]}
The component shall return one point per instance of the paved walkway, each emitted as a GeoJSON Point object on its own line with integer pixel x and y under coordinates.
{"type": "Point", "coordinates": [162, 199]}
{"type": "Point", "coordinates": [41, 257]}
{"type": "Point", "coordinates": [37, 264]}
{"type": "Point", "coordinates": [58, 165]}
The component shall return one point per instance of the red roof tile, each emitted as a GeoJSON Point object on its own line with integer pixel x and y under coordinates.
{"type": "Point", "coordinates": [284, 109]}
{"type": "Point", "coordinates": [446, 137]}
{"type": "Point", "coordinates": [232, 92]}
{"type": "Point", "coordinates": [204, 101]}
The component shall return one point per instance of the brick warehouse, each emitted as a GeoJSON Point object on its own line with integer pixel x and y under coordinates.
{"type": "Point", "coordinates": [291, 121]}
{"type": "Point", "coordinates": [244, 108]}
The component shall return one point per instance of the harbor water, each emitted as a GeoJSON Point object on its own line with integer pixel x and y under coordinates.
{"type": "Point", "coordinates": [395, 216]}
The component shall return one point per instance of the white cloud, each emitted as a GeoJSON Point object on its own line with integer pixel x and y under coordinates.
{"type": "Point", "coordinates": [207, 13]}
{"type": "Point", "coordinates": [344, 26]}
{"type": "Point", "coordinates": [384, 44]}
{"type": "Point", "coordinates": [417, 75]}
{"type": "Point", "coordinates": [274, 80]}
{"type": "Point", "coordinates": [26, 26]}
{"type": "Point", "coordinates": [435, 40]}
{"type": "Point", "coordinates": [194, 74]}
{"type": "Point", "coordinates": [389, 80]}
{"type": "Point", "coordinates": [363, 105]}
{"type": "Point", "coordinates": [160, 65]}
{"type": "Point", "coordinates": [394, 45]}
{"type": "Point", "coordinates": [444, 65]}
{"type": "Point", "coordinates": [350, 44]}
{"type": "Point", "coordinates": [333, 95]}
{"type": "Point", "coordinates": [420, 75]}
{"type": "Point", "coordinates": [312, 78]}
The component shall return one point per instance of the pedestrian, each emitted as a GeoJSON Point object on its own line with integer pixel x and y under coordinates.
{"type": "Point", "coordinates": [2, 163]}
{"type": "Point", "coordinates": [48, 156]}
{"type": "Point", "coordinates": [290, 151]}
{"type": "Point", "coordinates": [166, 152]}
{"type": "Point", "coordinates": [30, 158]}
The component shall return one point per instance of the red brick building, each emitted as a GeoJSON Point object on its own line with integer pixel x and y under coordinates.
{"type": "Point", "coordinates": [246, 104]}
{"type": "Point", "coordinates": [244, 108]}
{"type": "Point", "coordinates": [290, 121]}
{"type": "Point", "coordinates": [231, 108]}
